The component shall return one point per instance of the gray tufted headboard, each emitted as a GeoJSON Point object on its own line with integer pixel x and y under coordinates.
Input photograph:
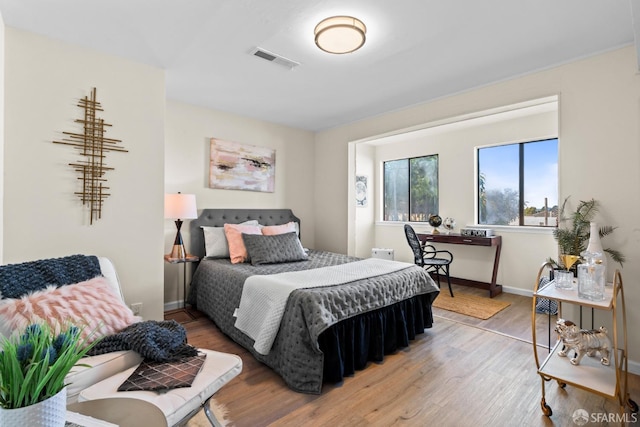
{"type": "Point", "coordinates": [219, 217]}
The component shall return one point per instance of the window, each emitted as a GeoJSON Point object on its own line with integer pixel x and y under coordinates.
{"type": "Point", "coordinates": [518, 184]}
{"type": "Point", "coordinates": [410, 188]}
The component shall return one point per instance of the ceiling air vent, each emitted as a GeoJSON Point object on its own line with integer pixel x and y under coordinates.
{"type": "Point", "coordinates": [275, 58]}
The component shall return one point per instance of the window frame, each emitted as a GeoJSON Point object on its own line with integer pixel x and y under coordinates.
{"type": "Point", "coordinates": [521, 183]}
{"type": "Point", "coordinates": [409, 185]}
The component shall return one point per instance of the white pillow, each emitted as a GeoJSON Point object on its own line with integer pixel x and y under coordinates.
{"type": "Point", "coordinates": [215, 241]}
{"type": "Point", "coordinates": [271, 230]}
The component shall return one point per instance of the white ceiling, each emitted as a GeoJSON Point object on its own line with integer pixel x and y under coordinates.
{"type": "Point", "coordinates": [416, 50]}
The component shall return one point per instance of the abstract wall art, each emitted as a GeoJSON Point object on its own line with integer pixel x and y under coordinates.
{"type": "Point", "coordinates": [234, 166]}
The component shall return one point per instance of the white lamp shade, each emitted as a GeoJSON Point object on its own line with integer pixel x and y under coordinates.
{"type": "Point", "coordinates": [180, 206]}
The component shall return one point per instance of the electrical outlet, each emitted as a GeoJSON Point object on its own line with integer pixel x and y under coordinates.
{"type": "Point", "coordinates": [136, 307]}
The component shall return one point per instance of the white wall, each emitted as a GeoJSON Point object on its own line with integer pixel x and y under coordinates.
{"type": "Point", "coordinates": [364, 238]}
{"type": "Point", "coordinates": [599, 153]}
{"type": "Point", "coordinates": [44, 79]}
{"type": "Point", "coordinates": [2, 92]}
{"type": "Point", "coordinates": [188, 132]}
{"type": "Point", "coordinates": [455, 144]}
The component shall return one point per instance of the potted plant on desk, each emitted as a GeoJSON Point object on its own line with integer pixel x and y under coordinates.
{"type": "Point", "coordinates": [33, 366]}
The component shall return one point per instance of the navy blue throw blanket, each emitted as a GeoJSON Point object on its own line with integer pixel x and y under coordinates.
{"type": "Point", "coordinates": [160, 341]}
{"type": "Point", "coordinates": [17, 280]}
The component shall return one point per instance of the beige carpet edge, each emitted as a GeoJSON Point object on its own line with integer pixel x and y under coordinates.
{"type": "Point", "coordinates": [470, 305]}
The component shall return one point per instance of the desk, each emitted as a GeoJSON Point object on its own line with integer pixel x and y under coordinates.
{"type": "Point", "coordinates": [458, 239]}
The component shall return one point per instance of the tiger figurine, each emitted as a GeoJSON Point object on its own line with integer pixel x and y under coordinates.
{"type": "Point", "coordinates": [583, 341]}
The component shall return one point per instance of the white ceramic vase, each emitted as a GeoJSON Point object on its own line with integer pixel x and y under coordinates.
{"type": "Point", "coordinates": [595, 245]}
{"type": "Point", "coordinates": [48, 413]}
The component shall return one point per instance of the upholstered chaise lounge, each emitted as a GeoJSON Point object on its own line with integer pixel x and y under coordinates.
{"type": "Point", "coordinates": [97, 367]}
{"type": "Point", "coordinates": [100, 299]}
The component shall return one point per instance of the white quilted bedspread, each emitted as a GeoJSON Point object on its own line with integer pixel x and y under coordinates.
{"type": "Point", "coordinates": [264, 297]}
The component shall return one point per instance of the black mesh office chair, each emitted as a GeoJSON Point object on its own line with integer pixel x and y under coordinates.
{"type": "Point", "coordinates": [427, 257]}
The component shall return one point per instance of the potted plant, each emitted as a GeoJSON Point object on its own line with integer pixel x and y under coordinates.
{"type": "Point", "coordinates": [33, 366]}
{"type": "Point", "coordinates": [573, 239]}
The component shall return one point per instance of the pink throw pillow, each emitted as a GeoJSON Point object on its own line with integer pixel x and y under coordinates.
{"type": "Point", "coordinates": [272, 230]}
{"type": "Point", "coordinates": [237, 250]}
{"type": "Point", "coordinates": [91, 305]}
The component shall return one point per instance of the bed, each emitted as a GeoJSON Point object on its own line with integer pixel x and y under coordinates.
{"type": "Point", "coordinates": [326, 332]}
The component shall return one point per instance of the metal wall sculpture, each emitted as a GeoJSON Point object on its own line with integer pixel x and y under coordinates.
{"type": "Point", "coordinates": [92, 145]}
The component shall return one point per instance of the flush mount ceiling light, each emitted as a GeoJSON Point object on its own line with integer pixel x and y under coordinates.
{"type": "Point", "coordinates": [340, 34]}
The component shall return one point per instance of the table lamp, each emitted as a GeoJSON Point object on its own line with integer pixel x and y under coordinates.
{"type": "Point", "coordinates": [179, 206]}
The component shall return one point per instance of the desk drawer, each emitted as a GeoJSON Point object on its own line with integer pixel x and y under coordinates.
{"type": "Point", "coordinates": [479, 241]}
{"type": "Point", "coordinates": [457, 239]}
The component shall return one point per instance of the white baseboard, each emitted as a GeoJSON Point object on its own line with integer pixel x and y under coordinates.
{"type": "Point", "coordinates": [517, 291]}
{"type": "Point", "coordinates": [633, 367]}
{"type": "Point", "coordinates": [173, 305]}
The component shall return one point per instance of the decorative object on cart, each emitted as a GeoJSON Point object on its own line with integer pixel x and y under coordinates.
{"type": "Point", "coordinates": [569, 260]}
{"type": "Point", "coordinates": [33, 366]}
{"type": "Point", "coordinates": [435, 221]}
{"type": "Point", "coordinates": [92, 144]}
{"type": "Point", "coordinates": [573, 239]}
{"type": "Point", "coordinates": [583, 342]}
{"type": "Point", "coordinates": [234, 166]}
{"type": "Point", "coordinates": [595, 247]}
{"type": "Point", "coordinates": [610, 382]}
{"type": "Point", "coordinates": [564, 278]}
{"type": "Point", "coordinates": [179, 206]}
{"type": "Point", "coordinates": [591, 279]}
{"type": "Point", "coordinates": [449, 224]}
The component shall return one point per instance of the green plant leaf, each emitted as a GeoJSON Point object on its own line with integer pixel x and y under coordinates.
{"type": "Point", "coordinates": [573, 231]}
{"type": "Point", "coordinates": [36, 378]}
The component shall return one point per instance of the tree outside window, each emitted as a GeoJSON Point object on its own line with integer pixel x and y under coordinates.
{"type": "Point", "coordinates": [410, 188]}
{"type": "Point", "coordinates": [518, 184]}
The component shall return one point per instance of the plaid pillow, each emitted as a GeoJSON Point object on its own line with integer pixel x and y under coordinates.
{"type": "Point", "coordinates": [158, 376]}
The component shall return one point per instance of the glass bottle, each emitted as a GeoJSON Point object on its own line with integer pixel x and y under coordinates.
{"type": "Point", "coordinates": [591, 277]}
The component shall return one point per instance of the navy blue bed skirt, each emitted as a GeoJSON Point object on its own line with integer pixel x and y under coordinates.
{"type": "Point", "coordinates": [349, 345]}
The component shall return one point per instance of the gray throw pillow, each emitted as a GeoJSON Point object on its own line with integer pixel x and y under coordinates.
{"type": "Point", "coordinates": [273, 249]}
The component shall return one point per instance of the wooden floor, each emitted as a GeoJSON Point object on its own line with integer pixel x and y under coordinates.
{"type": "Point", "coordinates": [461, 372]}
